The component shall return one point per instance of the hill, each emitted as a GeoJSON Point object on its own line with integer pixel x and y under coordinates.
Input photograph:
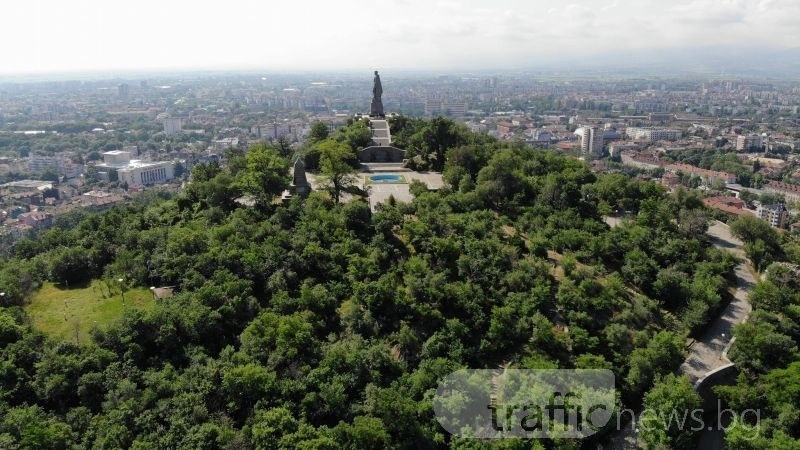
{"type": "Point", "coordinates": [319, 324]}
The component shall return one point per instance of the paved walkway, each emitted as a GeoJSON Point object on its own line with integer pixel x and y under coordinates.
{"type": "Point", "coordinates": [380, 192]}
{"type": "Point", "coordinates": [707, 353]}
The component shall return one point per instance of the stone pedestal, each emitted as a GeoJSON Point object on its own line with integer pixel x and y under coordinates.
{"type": "Point", "coordinates": [376, 108]}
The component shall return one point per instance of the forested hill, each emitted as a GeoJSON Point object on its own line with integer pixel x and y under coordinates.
{"type": "Point", "coordinates": [319, 325]}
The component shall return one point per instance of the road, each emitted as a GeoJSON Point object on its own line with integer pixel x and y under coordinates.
{"type": "Point", "coordinates": [708, 352]}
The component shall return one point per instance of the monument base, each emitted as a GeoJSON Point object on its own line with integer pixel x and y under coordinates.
{"type": "Point", "coordinates": [376, 109]}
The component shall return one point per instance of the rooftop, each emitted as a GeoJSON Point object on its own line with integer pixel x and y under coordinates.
{"type": "Point", "coordinates": [28, 184]}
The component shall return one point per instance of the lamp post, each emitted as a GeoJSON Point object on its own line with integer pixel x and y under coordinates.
{"type": "Point", "coordinates": [122, 289]}
{"type": "Point", "coordinates": [2, 297]}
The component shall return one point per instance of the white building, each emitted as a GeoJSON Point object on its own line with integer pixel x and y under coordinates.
{"type": "Point", "coordinates": [146, 173]}
{"type": "Point", "coordinates": [273, 130]}
{"type": "Point", "coordinates": [653, 134]}
{"type": "Point", "coordinates": [225, 143]}
{"type": "Point", "coordinates": [116, 158]}
{"type": "Point", "coordinates": [650, 105]}
{"type": "Point", "coordinates": [58, 163]}
{"type": "Point", "coordinates": [173, 125]}
{"type": "Point", "coordinates": [591, 140]}
{"type": "Point", "coordinates": [137, 172]}
{"type": "Point", "coordinates": [453, 109]}
{"type": "Point", "coordinates": [776, 215]}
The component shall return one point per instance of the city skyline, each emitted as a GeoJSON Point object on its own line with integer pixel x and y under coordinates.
{"type": "Point", "coordinates": [357, 35]}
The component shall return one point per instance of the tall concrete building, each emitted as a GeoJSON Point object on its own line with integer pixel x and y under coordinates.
{"type": "Point", "coordinates": [452, 109]}
{"type": "Point", "coordinates": [58, 163]}
{"type": "Point", "coordinates": [776, 214]}
{"type": "Point", "coordinates": [591, 140]}
{"type": "Point", "coordinates": [173, 125]}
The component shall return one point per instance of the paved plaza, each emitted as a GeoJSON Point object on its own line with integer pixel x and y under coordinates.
{"type": "Point", "coordinates": [380, 192]}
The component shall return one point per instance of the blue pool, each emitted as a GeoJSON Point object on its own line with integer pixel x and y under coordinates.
{"type": "Point", "coordinates": [386, 179]}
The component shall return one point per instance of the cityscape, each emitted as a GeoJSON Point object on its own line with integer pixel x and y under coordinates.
{"type": "Point", "coordinates": [400, 225]}
{"type": "Point", "coordinates": [94, 144]}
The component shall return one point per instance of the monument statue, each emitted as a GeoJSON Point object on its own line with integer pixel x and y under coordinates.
{"type": "Point", "coordinates": [299, 184]}
{"type": "Point", "coordinates": [376, 109]}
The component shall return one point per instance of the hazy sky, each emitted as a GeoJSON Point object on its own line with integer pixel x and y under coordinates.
{"type": "Point", "coordinates": [79, 35]}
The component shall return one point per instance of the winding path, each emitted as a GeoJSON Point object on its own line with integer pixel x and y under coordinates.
{"type": "Point", "coordinates": [709, 352]}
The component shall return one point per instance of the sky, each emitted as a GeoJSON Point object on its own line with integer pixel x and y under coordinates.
{"type": "Point", "coordinates": [41, 36]}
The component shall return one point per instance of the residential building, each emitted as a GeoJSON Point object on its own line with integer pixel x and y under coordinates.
{"type": "Point", "coordinates": [730, 205]}
{"type": "Point", "coordinates": [505, 127]}
{"type": "Point", "coordinates": [274, 130]}
{"type": "Point", "coordinates": [58, 163]}
{"type": "Point", "coordinates": [616, 148]}
{"type": "Point", "coordinates": [790, 192]}
{"type": "Point", "coordinates": [591, 140]}
{"type": "Point", "coordinates": [99, 199]}
{"type": "Point", "coordinates": [540, 136]}
{"type": "Point", "coordinates": [650, 106]}
{"type": "Point", "coordinates": [653, 134]}
{"type": "Point", "coordinates": [752, 142]}
{"type": "Point", "coordinates": [671, 180]}
{"type": "Point", "coordinates": [776, 214]}
{"type": "Point", "coordinates": [640, 160]}
{"type": "Point", "coordinates": [173, 125]}
{"type": "Point", "coordinates": [453, 109]}
{"type": "Point", "coordinates": [708, 176]}
{"type": "Point", "coordinates": [225, 143]}
{"type": "Point", "coordinates": [36, 219]}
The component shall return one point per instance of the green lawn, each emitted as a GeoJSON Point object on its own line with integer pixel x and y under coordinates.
{"type": "Point", "coordinates": [69, 314]}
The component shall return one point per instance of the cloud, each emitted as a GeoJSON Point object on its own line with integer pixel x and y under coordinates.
{"type": "Point", "coordinates": [308, 34]}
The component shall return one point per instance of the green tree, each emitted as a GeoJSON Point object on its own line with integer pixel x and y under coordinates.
{"type": "Point", "coordinates": [662, 355]}
{"type": "Point", "coordinates": [319, 132]}
{"type": "Point", "coordinates": [358, 135]}
{"type": "Point", "coordinates": [336, 164]}
{"type": "Point", "coordinates": [667, 419]}
{"type": "Point", "coordinates": [266, 174]}
{"type": "Point", "coordinates": [639, 268]}
{"type": "Point", "coordinates": [760, 347]}
{"type": "Point", "coordinates": [750, 229]}
{"type": "Point", "coordinates": [245, 385]}
{"type": "Point", "coordinates": [71, 266]}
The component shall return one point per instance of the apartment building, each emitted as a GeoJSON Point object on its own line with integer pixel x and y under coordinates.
{"type": "Point", "coordinates": [752, 142]}
{"type": "Point", "coordinates": [653, 134]}
{"type": "Point", "coordinates": [591, 140]}
{"type": "Point", "coordinates": [776, 215]}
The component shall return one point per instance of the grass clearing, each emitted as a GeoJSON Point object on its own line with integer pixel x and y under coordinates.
{"type": "Point", "coordinates": [69, 314]}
